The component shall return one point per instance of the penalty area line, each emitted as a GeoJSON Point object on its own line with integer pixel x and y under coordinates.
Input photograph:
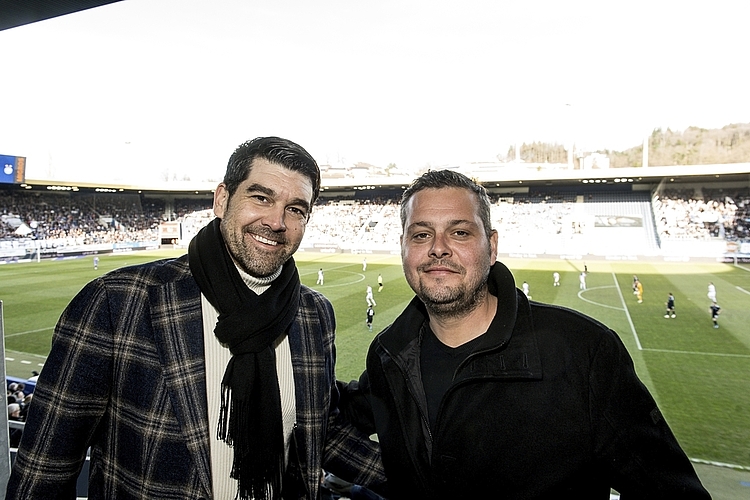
{"type": "Point", "coordinates": [721, 354]}
{"type": "Point", "coordinates": [29, 331]}
{"type": "Point", "coordinates": [627, 313]}
{"type": "Point", "coordinates": [719, 464]}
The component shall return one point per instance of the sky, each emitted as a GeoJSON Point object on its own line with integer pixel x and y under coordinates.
{"type": "Point", "coordinates": [143, 90]}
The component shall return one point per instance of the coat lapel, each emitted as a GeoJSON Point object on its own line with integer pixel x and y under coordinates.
{"type": "Point", "coordinates": [178, 333]}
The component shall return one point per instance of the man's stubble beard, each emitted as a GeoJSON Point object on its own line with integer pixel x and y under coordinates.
{"type": "Point", "coordinates": [453, 302]}
{"type": "Point", "coordinates": [253, 261]}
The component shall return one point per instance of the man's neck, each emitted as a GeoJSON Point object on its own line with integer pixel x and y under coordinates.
{"type": "Point", "coordinates": [455, 330]}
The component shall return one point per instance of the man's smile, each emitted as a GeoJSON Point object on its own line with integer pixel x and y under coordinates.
{"type": "Point", "coordinates": [263, 240]}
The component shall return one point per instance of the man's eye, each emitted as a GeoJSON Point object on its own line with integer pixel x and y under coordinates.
{"type": "Point", "coordinates": [298, 211]}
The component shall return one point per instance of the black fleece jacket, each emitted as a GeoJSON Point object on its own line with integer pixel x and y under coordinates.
{"type": "Point", "coordinates": [548, 406]}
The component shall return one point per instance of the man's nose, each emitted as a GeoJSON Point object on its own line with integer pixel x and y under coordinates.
{"type": "Point", "coordinates": [440, 247]}
{"type": "Point", "coordinates": [275, 218]}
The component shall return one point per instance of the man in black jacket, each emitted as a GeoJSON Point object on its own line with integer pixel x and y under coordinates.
{"type": "Point", "coordinates": [476, 392]}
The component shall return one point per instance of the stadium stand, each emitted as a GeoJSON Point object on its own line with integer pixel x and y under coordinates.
{"type": "Point", "coordinates": [77, 218]}
{"type": "Point", "coordinates": [654, 219]}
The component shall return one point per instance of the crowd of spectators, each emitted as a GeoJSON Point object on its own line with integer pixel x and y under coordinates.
{"type": "Point", "coordinates": [701, 214]}
{"type": "Point", "coordinates": [516, 218]}
{"type": "Point", "coordinates": [678, 214]}
{"type": "Point", "coordinates": [186, 206]}
{"type": "Point", "coordinates": [354, 223]}
{"type": "Point", "coordinates": [372, 224]}
{"type": "Point", "coordinates": [65, 219]}
{"type": "Point", "coordinates": [18, 407]}
{"type": "Point", "coordinates": [62, 219]}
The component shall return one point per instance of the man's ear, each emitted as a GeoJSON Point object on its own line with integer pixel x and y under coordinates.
{"type": "Point", "coordinates": [493, 245]}
{"type": "Point", "coordinates": [221, 199]}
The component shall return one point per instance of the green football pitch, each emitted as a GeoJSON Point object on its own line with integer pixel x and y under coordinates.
{"type": "Point", "coordinates": [699, 375]}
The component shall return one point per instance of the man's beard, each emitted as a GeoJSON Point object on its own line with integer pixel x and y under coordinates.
{"type": "Point", "coordinates": [254, 261]}
{"type": "Point", "coordinates": [452, 302]}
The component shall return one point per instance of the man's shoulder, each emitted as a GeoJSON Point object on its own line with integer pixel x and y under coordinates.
{"type": "Point", "coordinates": [315, 308]}
{"type": "Point", "coordinates": [566, 321]}
{"type": "Point", "coordinates": [310, 296]}
{"type": "Point", "coordinates": [158, 266]}
{"type": "Point", "coordinates": [159, 271]}
{"type": "Point", "coordinates": [560, 330]}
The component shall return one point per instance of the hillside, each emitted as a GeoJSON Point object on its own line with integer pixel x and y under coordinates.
{"type": "Point", "coordinates": [694, 146]}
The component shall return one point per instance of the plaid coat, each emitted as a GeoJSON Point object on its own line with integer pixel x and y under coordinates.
{"type": "Point", "coordinates": [126, 377]}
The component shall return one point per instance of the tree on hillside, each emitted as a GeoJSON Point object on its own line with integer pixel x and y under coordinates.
{"type": "Point", "coordinates": [540, 152]}
{"type": "Point", "coordinates": [693, 146]}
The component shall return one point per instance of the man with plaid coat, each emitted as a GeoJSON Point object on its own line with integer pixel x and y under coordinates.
{"type": "Point", "coordinates": [131, 370]}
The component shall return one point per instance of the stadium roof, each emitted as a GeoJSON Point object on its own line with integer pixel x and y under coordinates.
{"type": "Point", "coordinates": [15, 13]}
{"type": "Point", "coordinates": [525, 177]}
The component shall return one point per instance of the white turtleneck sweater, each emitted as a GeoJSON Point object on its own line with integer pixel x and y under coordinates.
{"type": "Point", "coordinates": [217, 357]}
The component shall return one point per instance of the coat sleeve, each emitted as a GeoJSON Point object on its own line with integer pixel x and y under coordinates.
{"type": "Point", "coordinates": [632, 437]}
{"type": "Point", "coordinates": [349, 451]}
{"type": "Point", "coordinates": [69, 400]}
{"type": "Point", "coordinates": [355, 404]}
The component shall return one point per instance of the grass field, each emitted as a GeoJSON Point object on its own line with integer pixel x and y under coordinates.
{"type": "Point", "coordinates": [699, 375]}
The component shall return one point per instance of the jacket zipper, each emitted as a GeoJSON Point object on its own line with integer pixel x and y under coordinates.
{"type": "Point", "coordinates": [425, 422]}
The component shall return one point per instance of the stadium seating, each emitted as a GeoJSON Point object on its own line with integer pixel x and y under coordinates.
{"type": "Point", "coordinates": [676, 219]}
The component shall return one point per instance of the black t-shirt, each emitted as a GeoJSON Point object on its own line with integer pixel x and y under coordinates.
{"type": "Point", "coordinates": [438, 364]}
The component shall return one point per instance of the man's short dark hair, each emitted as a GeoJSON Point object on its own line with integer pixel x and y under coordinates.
{"type": "Point", "coordinates": [438, 179]}
{"type": "Point", "coordinates": [286, 153]}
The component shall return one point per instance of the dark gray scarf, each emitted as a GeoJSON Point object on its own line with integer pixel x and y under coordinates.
{"type": "Point", "coordinates": [249, 324]}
